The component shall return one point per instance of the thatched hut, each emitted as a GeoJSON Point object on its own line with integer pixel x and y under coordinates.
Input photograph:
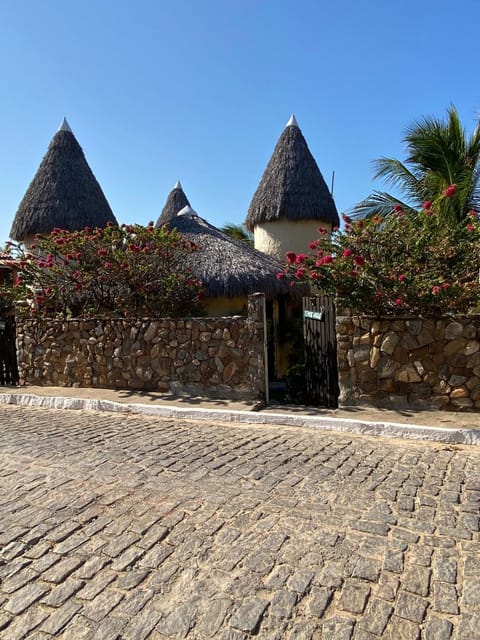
{"type": "Point", "coordinates": [176, 201]}
{"type": "Point", "coordinates": [292, 199]}
{"type": "Point", "coordinates": [64, 193]}
{"type": "Point", "coordinates": [230, 269]}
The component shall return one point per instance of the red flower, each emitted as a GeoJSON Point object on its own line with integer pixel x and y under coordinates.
{"type": "Point", "coordinates": [69, 256]}
{"type": "Point", "coordinates": [346, 253]}
{"type": "Point", "coordinates": [346, 219]}
{"type": "Point", "coordinates": [300, 259]}
{"type": "Point", "coordinates": [354, 273]}
{"type": "Point", "coordinates": [399, 302]}
{"type": "Point", "coordinates": [322, 231]}
{"type": "Point", "coordinates": [327, 259]}
{"type": "Point", "coordinates": [312, 245]}
{"type": "Point", "coordinates": [360, 224]}
{"type": "Point", "coordinates": [299, 273]}
{"type": "Point", "coordinates": [48, 291]}
{"type": "Point", "coordinates": [279, 275]}
{"type": "Point", "coordinates": [436, 290]}
{"type": "Point", "coordinates": [426, 205]}
{"type": "Point", "coordinates": [445, 285]}
{"type": "Point", "coordinates": [471, 213]}
{"type": "Point", "coordinates": [291, 255]}
{"type": "Point", "coordinates": [401, 277]}
{"type": "Point", "coordinates": [398, 208]}
{"type": "Point", "coordinates": [101, 252]}
{"type": "Point", "coordinates": [450, 190]}
{"type": "Point", "coordinates": [470, 227]}
{"type": "Point", "coordinates": [359, 261]}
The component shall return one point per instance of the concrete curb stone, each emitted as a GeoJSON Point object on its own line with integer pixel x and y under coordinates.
{"type": "Point", "coordinates": [365, 427]}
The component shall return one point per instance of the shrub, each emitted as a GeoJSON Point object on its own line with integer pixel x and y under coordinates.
{"type": "Point", "coordinates": [115, 271]}
{"type": "Point", "coordinates": [407, 263]}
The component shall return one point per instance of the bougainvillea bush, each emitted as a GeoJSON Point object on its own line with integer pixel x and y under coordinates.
{"type": "Point", "coordinates": [406, 263]}
{"type": "Point", "coordinates": [130, 270]}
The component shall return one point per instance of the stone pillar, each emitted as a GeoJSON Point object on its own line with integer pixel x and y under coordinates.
{"type": "Point", "coordinates": [258, 352]}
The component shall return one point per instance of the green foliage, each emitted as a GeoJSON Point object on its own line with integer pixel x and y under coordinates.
{"type": "Point", "coordinates": [295, 390]}
{"type": "Point", "coordinates": [407, 263]}
{"type": "Point", "coordinates": [115, 271]}
{"type": "Point", "coordinates": [238, 232]}
{"type": "Point", "coordinates": [439, 154]}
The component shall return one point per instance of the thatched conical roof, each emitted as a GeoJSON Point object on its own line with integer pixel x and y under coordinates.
{"type": "Point", "coordinates": [227, 267]}
{"type": "Point", "coordinates": [64, 193]}
{"type": "Point", "coordinates": [292, 186]}
{"type": "Point", "coordinates": [175, 202]}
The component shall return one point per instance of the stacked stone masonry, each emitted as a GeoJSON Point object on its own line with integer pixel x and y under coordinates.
{"type": "Point", "coordinates": [417, 363]}
{"type": "Point", "coordinates": [215, 357]}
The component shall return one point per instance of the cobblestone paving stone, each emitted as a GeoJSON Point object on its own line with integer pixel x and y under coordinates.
{"type": "Point", "coordinates": [133, 527]}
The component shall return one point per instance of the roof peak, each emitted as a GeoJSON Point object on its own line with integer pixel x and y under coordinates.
{"type": "Point", "coordinates": [178, 185]}
{"type": "Point", "coordinates": [292, 122]}
{"type": "Point", "coordinates": [65, 126]}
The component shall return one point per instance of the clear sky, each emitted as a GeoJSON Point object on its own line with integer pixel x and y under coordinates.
{"type": "Point", "coordinates": [200, 90]}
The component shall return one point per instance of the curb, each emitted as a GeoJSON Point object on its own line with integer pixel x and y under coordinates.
{"type": "Point", "coordinates": [363, 427]}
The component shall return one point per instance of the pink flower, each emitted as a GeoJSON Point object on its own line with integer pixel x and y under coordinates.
{"type": "Point", "coordinates": [436, 290]}
{"type": "Point", "coordinates": [360, 224]}
{"type": "Point", "coordinates": [471, 213]}
{"type": "Point", "coordinates": [398, 208]}
{"type": "Point", "coordinates": [401, 277]}
{"type": "Point", "coordinates": [300, 259]}
{"type": "Point", "coordinates": [319, 262]}
{"type": "Point", "coordinates": [359, 261]}
{"type": "Point", "coordinates": [48, 291]}
{"type": "Point", "coordinates": [312, 245]}
{"type": "Point", "coordinates": [279, 275]}
{"type": "Point", "coordinates": [69, 256]}
{"type": "Point", "coordinates": [322, 231]}
{"type": "Point", "coordinates": [470, 227]}
{"type": "Point", "coordinates": [450, 190]}
{"type": "Point", "coordinates": [399, 302]}
{"type": "Point", "coordinates": [101, 252]}
{"type": "Point", "coordinates": [427, 204]}
{"type": "Point", "coordinates": [327, 259]}
{"type": "Point", "coordinates": [346, 219]}
{"type": "Point", "coordinates": [354, 273]}
{"type": "Point", "coordinates": [346, 253]}
{"type": "Point", "coordinates": [291, 255]}
{"type": "Point", "coordinates": [445, 285]}
{"type": "Point", "coordinates": [299, 273]}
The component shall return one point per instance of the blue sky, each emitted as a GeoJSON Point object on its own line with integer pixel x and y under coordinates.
{"type": "Point", "coordinates": [200, 90]}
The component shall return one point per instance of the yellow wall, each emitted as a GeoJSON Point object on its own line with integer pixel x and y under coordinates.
{"type": "Point", "coordinates": [278, 237]}
{"type": "Point", "coordinates": [219, 307]}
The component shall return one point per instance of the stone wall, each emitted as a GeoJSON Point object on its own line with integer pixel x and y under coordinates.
{"type": "Point", "coordinates": [409, 362]}
{"type": "Point", "coordinates": [214, 357]}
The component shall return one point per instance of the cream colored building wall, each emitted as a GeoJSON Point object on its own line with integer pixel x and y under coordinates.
{"type": "Point", "coordinates": [277, 237]}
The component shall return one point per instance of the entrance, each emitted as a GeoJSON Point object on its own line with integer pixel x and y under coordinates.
{"type": "Point", "coordinates": [8, 352]}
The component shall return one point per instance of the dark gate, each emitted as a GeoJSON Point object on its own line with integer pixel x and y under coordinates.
{"type": "Point", "coordinates": [321, 373]}
{"type": "Point", "coordinates": [8, 352]}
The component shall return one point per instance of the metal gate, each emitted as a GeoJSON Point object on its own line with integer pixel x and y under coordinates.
{"type": "Point", "coordinates": [8, 352]}
{"type": "Point", "coordinates": [321, 372]}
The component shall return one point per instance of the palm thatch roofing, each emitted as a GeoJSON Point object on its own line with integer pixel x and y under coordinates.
{"type": "Point", "coordinates": [64, 193]}
{"type": "Point", "coordinates": [292, 186]}
{"type": "Point", "coordinates": [227, 267]}
{"type": "Point", "coordinates": [176, 201]}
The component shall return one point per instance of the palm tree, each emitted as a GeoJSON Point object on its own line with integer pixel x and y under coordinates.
{"type": "Point", "coordinates": [239, 232]}
{"type": "Point", "coordinates": [439, 154]}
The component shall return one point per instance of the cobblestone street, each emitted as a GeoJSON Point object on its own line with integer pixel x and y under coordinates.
{"type": "Point", "coordinates": [121, 526]}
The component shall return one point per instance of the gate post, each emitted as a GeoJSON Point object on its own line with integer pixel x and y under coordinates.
{"type": "Point", "coordinates": [257, 313]}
